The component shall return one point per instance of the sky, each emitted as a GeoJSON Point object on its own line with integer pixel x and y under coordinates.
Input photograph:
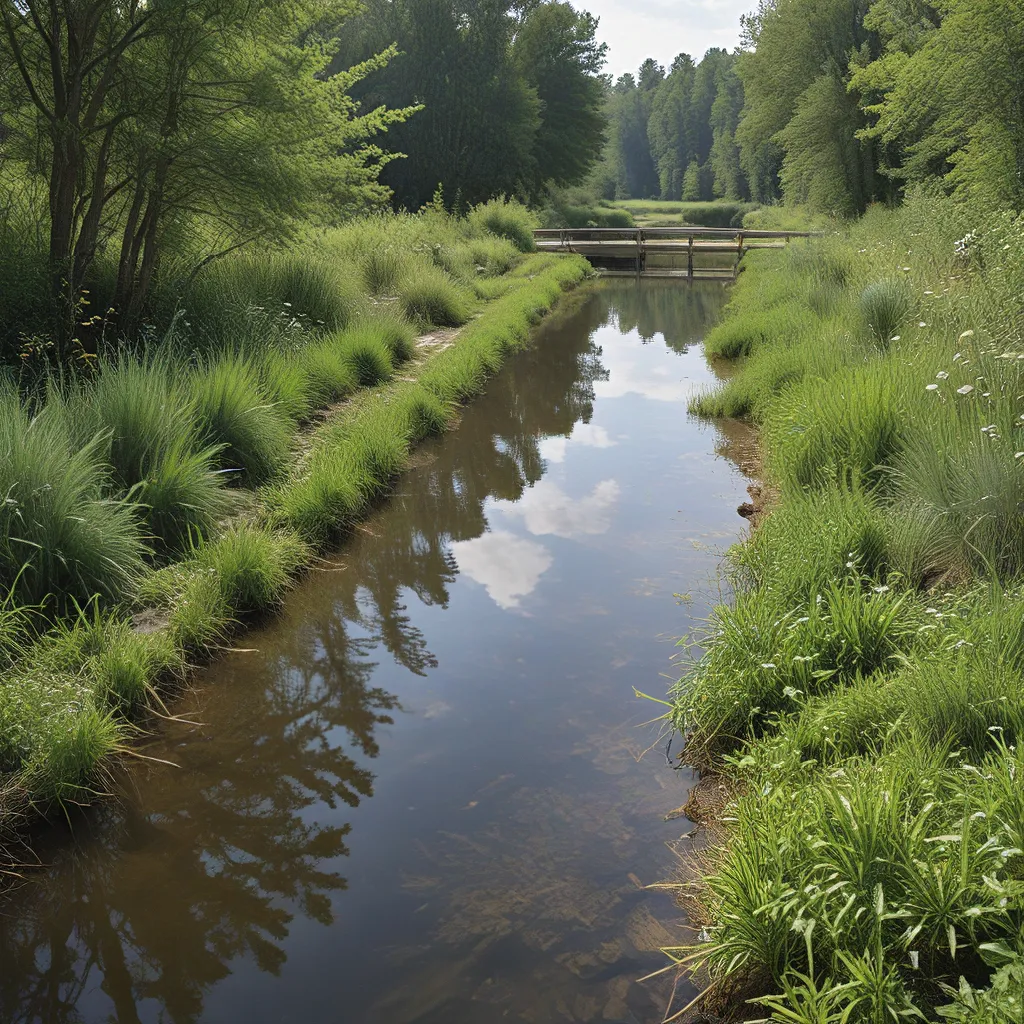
{"type": "Point", "coordinates": [637, 29]}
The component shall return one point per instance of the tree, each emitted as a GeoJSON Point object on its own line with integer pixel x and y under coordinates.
{"type": "Point", "coordinates": [727, 172]}
{"type": "Point", "coordinates": [691, 183]}
{"type": "Point", "coordinates": [558, 56]}
{"type": "Point", "coordinates": [669, 129]}
{"type": "Point", "coordinates": [794, 40]}
{"type": "Point", "coordinates": [70, 73]}
{"type": "Point", "coordinates": [948, 94]}
{"type": "Point", "coordinates": [636, 174]}
{"type": "Point", "coordinates": [822, 167]}
{"type": "Point", "coordinates": [157, 113]}
{"type": "Point", "coordinates": [510, 93]}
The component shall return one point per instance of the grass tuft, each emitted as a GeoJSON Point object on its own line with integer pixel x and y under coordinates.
{"type": "Point", "coordinates": [431, 297]}
{"type": "Point", "coordinates": [506, 219]}
{"type": "Point", "coordinates": [252, 436]}
{"type": "Point", "coordinates": [368, 356]}
{"type": "Point", "coordinates": [60, 538]}
{"type": "Point", "coordinates": [885, 306]}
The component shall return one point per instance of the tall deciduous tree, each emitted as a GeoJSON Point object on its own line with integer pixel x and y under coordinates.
{"type": "Point", "coordinates": [949, 94]}
{"type": "Point", "coordinates": [71, 75]}
{"type": "Point", "coordinates": [510, 93]}
{"type": "Point", "coordinates": [558, 55]}
{"type": "Point", "coordinates": [157, 112]}
{"type": "Point", "coordinates": [796, 72]}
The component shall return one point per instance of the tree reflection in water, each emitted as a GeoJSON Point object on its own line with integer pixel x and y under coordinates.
{"type": "Point", "coordinates": [211, 862]}
{"type": "Point", "coordinates": [666, 309]}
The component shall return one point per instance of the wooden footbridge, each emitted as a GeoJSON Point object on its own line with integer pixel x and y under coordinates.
{"type": "Point", "coordinates": [690, 252]}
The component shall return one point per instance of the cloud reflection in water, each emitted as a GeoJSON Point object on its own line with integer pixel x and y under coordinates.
{"type": "Point", "coordinates": [507, 566]}
{"type": "Point", "coordinates": [546, 509]}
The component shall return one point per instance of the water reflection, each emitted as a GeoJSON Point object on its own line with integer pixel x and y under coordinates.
{"type": "Point", "coordinates": [554, 449]}
{"type": "Point", "coordinates": [546, 509]}
{"type": "Point", "coordinates": [652, 309]}
{"type": "Point", "coordinates": [220, 866]}
{"type": "Point", "coordinates": [506, 566]}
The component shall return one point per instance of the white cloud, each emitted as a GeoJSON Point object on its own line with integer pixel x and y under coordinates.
{"type": "Point", "coordinates": [507, 566]}
{"type": "Point", "coordinates": [553, 449]}
{"type": "Point", "coordinates": [546, 509]}
{"type": "Point", "coordinates": [631, 370]}
{"type": "Point", "coordinates": [638, 29]}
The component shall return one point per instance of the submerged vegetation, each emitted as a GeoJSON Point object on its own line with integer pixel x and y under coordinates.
{"type": "Point", "coordinates": [864, 695]}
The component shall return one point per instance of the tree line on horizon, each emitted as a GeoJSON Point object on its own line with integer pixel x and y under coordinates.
{"type": "Point", "coordinates": [831, 104]}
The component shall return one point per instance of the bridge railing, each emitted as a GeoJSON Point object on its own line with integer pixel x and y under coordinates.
{"type": "Point", "coordinates": [634, 245]}
{"type": "Point", "coordinates": [641, 234]}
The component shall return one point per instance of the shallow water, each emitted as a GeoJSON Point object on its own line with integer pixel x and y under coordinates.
{"type": "Point", "coordinates": [421, 793]}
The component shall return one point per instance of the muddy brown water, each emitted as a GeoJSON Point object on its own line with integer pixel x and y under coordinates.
{"type": "Point", "coordinates": [420, 794]}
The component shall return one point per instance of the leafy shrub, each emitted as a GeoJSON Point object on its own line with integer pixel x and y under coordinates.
{"type": "Point", "coordinates": [716, 215]}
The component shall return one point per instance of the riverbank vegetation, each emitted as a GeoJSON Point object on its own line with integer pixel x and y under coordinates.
{"type": "Point", "coordinates": [156, 507]}
{"type": "Point", "coordinates": [210, 299]}
{"type": "Point", "coordinates": [862, 697]}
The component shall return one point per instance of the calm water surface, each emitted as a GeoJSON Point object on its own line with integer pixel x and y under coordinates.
{"type": "Point", "coordinates": [418, 795]}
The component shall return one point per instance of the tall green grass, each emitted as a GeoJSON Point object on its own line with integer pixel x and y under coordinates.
{"type": "Point", "coordinates": [508, 220]}
{"type": "Point", "coordinates": [252, 436]}
{"type": "Point", "coordinates": [153, 447]}
{"type": "Point", "coordinates": [116, 486]}
{"type": "Point", "coordinates": [862, 695]}
{"type": "Point", "coordinates": [61, 539]}
{"type": "Point", "coordinates": [431, 297]}
{"type": "Point", "coordinates": [368, 356]}
{"type": "Point", "coordinates": [885, 306]}
{"type": "Point", "coordinates": [298, 284]}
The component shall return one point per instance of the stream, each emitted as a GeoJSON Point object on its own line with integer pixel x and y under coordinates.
{"type": "Point", "coordinates": [426, 791]}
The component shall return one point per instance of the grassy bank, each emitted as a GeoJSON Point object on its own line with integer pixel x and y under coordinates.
{"type": "Point", "coordinates": [863, 696]}
{"type": "Point", "coordinates": [665, 213]}
{"type": "Point", "coordinates": [156, 502]}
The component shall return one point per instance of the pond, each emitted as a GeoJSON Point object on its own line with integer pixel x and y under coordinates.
{"type": "Point", "coordinates": [426, 792]}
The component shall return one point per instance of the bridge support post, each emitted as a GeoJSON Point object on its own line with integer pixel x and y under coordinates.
{"type": "Point", "coordinates": [689, 260]}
